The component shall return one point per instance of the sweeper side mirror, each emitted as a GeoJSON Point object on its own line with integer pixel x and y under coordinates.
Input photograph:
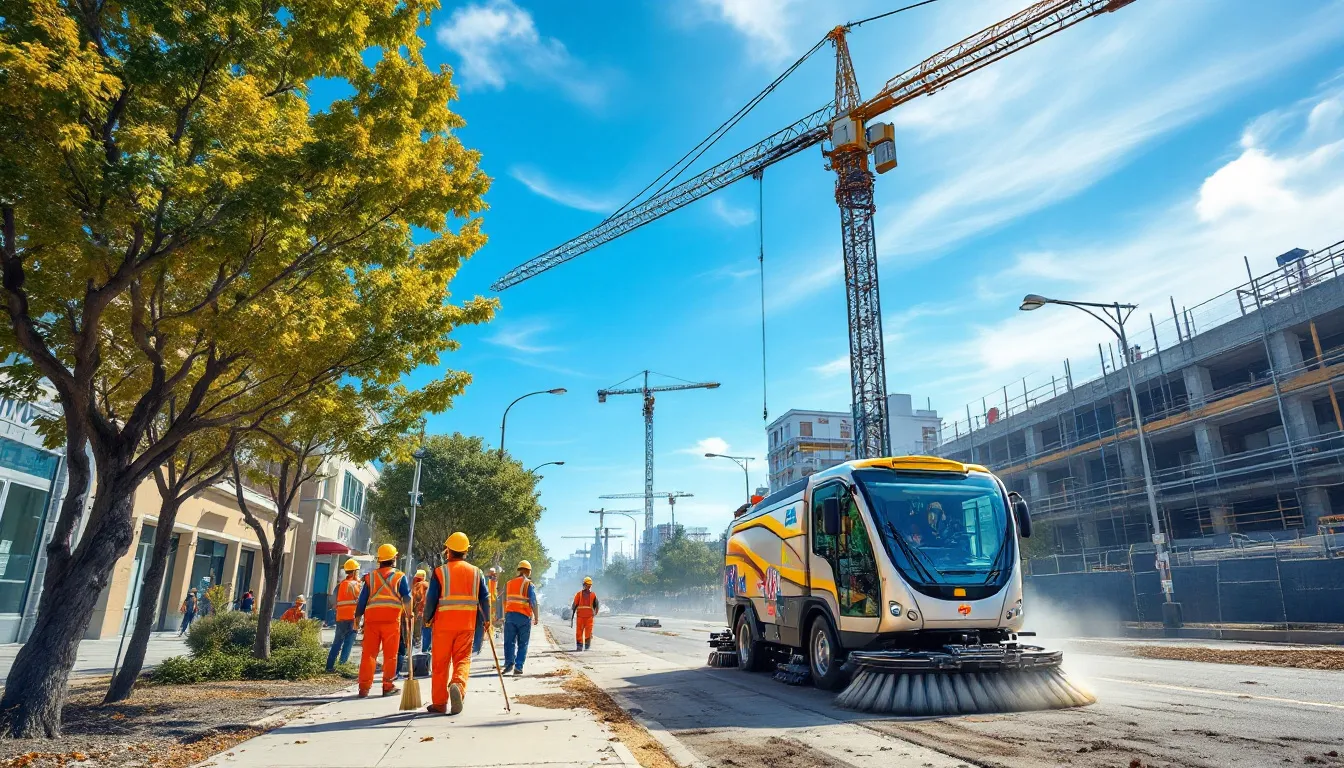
{"type": "Point", "coordinates": [830, 516]}
{"type": "Point", "coordinates": [1022, 514]}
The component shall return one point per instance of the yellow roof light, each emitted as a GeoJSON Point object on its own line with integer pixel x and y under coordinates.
{"type": "Point", "coordinates": [920, 464]}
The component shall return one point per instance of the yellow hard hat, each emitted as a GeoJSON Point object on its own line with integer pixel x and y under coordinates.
{"type": "Point", "coordinates": [524, 564]}
{"type": "Point", "coordinates": [299, 599]}
{"type": "Point", "coordinates": [351, 565]}
{"type": "Point", "coordinates": [458, 542]}
{"type": "Point", "coordinates": [420, 573]}
{"type": "Point", "coordinates": [587, 581]}
{"type": "Point", "coordinates": [387, 552]}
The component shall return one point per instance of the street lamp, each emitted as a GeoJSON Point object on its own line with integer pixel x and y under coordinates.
{"type": "Point", "coordinates": [633, 521]}
{"type": "Point", "coordinates": [1113, 316]}
{"type": "Point", "coordinates": [741, 461]}
{"type": "Point", "coordinates": [505, 420]}
{"type": "Point", "coordinates": [533, 470]}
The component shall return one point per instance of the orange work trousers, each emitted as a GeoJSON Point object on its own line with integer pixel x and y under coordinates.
{"type": "Point", "coordinates": [450, 661]}
{"type": "Point", "coordinates": [583, 629]}
{"type": "Point", "coordinates": [383, 635]}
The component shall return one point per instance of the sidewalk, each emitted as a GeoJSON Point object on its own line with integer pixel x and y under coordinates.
{"type": "Point", "coordinates": [371, 733]}
{"type": "Point", "coordinates": [95, 657]}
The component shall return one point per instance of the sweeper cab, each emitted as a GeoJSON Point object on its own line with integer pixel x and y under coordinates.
{"type": "Point", "coordinates": [898, 577]}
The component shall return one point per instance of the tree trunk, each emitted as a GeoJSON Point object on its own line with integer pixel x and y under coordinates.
{"type": "Point", "coordinates": [270, 588]}
{"type": "Point", "coordinates": [40, 676]}
{"type": "Point", "coordinates": [134, 661]}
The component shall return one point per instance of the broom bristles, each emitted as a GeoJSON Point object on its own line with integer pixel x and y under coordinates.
{"type": "Point", "coordinates": [935, 694]}
{"type": "Point", "coordinates": [410, 694]}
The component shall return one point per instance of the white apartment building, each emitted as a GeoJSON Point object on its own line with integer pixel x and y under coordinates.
{"type": "Point", "coordinates": [802, 442]}
{"type": "Point", "coordinates": [335, 527]}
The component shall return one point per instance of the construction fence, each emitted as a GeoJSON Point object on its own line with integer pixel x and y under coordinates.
{"type": "Point", "coordinates": [1300, 582]}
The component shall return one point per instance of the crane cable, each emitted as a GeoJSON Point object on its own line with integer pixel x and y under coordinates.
{"type": "Point", "coordinates": [760, 219]}
{"type": "Point", "coordinates": [861, 22]}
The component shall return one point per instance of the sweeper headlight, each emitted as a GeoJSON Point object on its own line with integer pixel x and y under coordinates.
{"type": "Point", "coordinates": [1015, 611]}
{"type": "Point", "coordinates": [895, 608]}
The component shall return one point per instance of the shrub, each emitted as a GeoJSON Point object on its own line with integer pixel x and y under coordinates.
{"type": "Point", "coordinates": [298, 663]}
{"type": "Point", "coordinates": [185, 670]}
{"type": "Point", "coordinates": [218, 633]}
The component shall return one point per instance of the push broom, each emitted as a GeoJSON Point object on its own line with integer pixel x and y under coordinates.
{"type": "Point", "coordinates": [410, 693]}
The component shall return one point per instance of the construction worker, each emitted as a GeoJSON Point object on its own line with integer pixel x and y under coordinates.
{"type": "Point", "coordinates": [585, 608]}
{"type": "Point", "coordinates": [520, 614]}
{"type": "Point", "coordinates": [492, 586]}
{"type": "Point", "coordinates": [345, 597]}
{"type": "Point", "coordinates": [295, 613]}
{"type": "Point", "coordinates": [385, 594]}
{"type": "Point", "coordinates": [458, 598]}
{"type": "Point", "coordinates": [419, 588]}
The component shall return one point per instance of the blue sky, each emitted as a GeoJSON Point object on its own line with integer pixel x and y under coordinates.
{"type": "Point", "coordinates": [1137, 156]}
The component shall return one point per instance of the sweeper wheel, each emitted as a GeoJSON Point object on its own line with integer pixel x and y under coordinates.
{"type": "Point", "coordinates": [960, 680]}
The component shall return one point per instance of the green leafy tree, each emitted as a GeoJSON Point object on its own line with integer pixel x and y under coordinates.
{"type": "Point", "coordinates": [466, 488]}
{"type": "Point", "coordinates": [177, 221]}
{"type": "Point", "coordinates": [684, 563]}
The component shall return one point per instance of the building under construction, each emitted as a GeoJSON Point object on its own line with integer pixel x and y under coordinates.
{"type": "Point", "coordinates": [1238, 401]}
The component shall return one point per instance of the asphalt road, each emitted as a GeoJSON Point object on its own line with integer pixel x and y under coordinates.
{"type": "Point", "coordinates": [1156, 712]}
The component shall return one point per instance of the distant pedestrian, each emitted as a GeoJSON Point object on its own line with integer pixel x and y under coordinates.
{"type": "Point", "coordinates": [189, 607]}
{"type": "Point", "coordinates": [520, 615]}
{"type": "Point", "coordinates": [246, 601]}
{"type": "Point", "coordinates": [295, 613]}
{"type": "Point", "coordinates": [346, 598]}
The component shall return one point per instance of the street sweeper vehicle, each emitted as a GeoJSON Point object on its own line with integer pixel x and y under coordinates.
{"type": "Point", "coordinates": [900, 577]}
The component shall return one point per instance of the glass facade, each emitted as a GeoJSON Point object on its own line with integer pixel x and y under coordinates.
{"type": "Point", "coordinates": [352, 495]}
{"type": "Point", "coordinates": [207, 568]}
{"type": "Point", "coordinates": [20, 536]}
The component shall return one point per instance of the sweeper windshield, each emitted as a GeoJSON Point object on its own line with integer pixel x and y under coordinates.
{"type": "Point", "coordinates": [941, 530]}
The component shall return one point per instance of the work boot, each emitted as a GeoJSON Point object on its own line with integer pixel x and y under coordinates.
{"type": "Point", "coordinates": [363, 693]}
{"type": "Point", "coordinates": [508, 668]}
{"type": "Point", "coordinates": [393, 691]}
{"type": "Point", "coordinates": [436, 709]}
{"type": "Point", "coordinates": [587, 644]}
{"type": "Point", "coordinates": [580, 647]}
{"type": "Point", "coordinates": [518, 672]}
{"type": "Point", "coordinates": [454, 699]}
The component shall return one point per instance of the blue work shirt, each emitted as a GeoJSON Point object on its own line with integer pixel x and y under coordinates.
{"type": "Point", "coordinates": [403, 591]}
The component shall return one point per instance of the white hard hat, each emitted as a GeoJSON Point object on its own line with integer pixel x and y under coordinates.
{"type": "Point", "coordinates": [299, 599]}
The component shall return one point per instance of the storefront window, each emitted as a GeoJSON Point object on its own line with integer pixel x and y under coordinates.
{"type": "Point", "coordinates": [207, 569]}
{"type": "Point", "coordinates": [20, 535]}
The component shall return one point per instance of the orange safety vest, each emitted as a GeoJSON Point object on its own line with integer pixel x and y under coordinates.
{"type": "Point", "coordinates": [418, 591]}
{"type": "Point", "coordinates": [585, 609]}
{"type": "Point", "coordinates": [347, 598]}
{"type": "Point", "coordinates": [515, 596]}
{"type": "Point", "coordinates": [459, 595]}
{"type": "Point", "coordinates": [384, 602]}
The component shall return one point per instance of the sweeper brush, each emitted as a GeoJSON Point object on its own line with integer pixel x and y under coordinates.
{"type": "Point", "coordinates": [960, 680]}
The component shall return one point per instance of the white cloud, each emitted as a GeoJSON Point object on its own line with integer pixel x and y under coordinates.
{"type": "Point", "coordinates": [732, 215]}
{"type": "Point", "coordinates": [539, 184]}
{"type": "Point", "coordinates": [708, 445]}
{"type": "Point", "coordinates": [765, 24]}
{"type": "Point", "coordinates": [836, 367]}
{"type": "Point", "coordinates": [1253, 181]}
{"type": "Point", "coordinates": [520, 337]}
{"type": "Point", "coordinates": [497, 42]}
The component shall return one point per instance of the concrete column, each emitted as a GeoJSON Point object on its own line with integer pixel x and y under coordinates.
{"type": "Point", "coordinates": [1198, 385]}
{"type": "Point", "coordinates": [1301, 415]}
{"type": "Point", "coordinates": [1220, 513]}
{"type": "Point", "coordinates": [1130, 461]}
{"type": "Point", "coordinates": [1032, 440]}
{"type": "Point", "coordinates": [1087, 532]}
{"type": "Point", "coordinates": [1208, 441]}
{"type": "Point", "coordinates": [1315, 505]}
{"type": "Point", "coordinates": [1285, 349]}
{"type": "Point", "coordinates": [1036, 485]}
{"type": "Point", "coordinates": [231, 557]}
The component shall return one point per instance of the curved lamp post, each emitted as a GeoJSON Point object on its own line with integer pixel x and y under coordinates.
{"type": "Point", "coordinates": [741, 461]}
{"type": "Point", "coordinates": [505, 420]}
{"type": "Point", "coordinates": [533, 470]}
{"type": "Point", "coordinates": [1113, 316]}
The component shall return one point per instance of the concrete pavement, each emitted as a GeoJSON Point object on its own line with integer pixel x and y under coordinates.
{"type": "Point", "coordinates": [96, 657]}
{"type": "Point", "coordinates": [371, 733]}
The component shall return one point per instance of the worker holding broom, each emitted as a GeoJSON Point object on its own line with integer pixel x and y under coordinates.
{"type": "Point", "coordinates": [420, 588]}
{"type": "Point", "coordinates": [458, 597]}
{"type": "Point", "coordinates": [520, 615]}
{"type": "Point", "coordinates": [385, 596]}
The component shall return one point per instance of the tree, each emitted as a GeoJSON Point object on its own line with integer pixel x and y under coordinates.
{"type": "Point", "coordinates": [520, 544]}
{"type": "Point", "coordinates": [466, 488]}
{"type": "Point", "coordinates": [683, 563]}
{"type": "Point", "coordinates": [177, 222]}
{"type": "Point", "coordinates": [200, 462]}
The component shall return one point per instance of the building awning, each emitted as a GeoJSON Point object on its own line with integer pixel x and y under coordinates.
{"type": "Point", "coordinates": [330, 548]}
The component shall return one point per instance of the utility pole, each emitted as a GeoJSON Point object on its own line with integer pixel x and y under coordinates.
{"type": "Point", "coordinates": [648, 393]}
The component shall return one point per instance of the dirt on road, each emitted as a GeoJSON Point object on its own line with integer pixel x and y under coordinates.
{"type": "Point", "coordinates": [1298, 658]}
{"type": "Point", "coordinates": [733, 750]}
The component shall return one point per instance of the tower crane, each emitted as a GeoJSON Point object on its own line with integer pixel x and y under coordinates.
{"type": "Point", "coordinates": [602, 540]}
{"type": "Point", "coordinates": [848, 135]}
{"type": "Point", "coordinates": [647, 392]}
{"type": "Point", "coordinates": [649, 527]}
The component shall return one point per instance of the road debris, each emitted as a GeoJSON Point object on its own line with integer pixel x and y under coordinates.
{"type": "Point", "coordinates": [1299, 658]}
